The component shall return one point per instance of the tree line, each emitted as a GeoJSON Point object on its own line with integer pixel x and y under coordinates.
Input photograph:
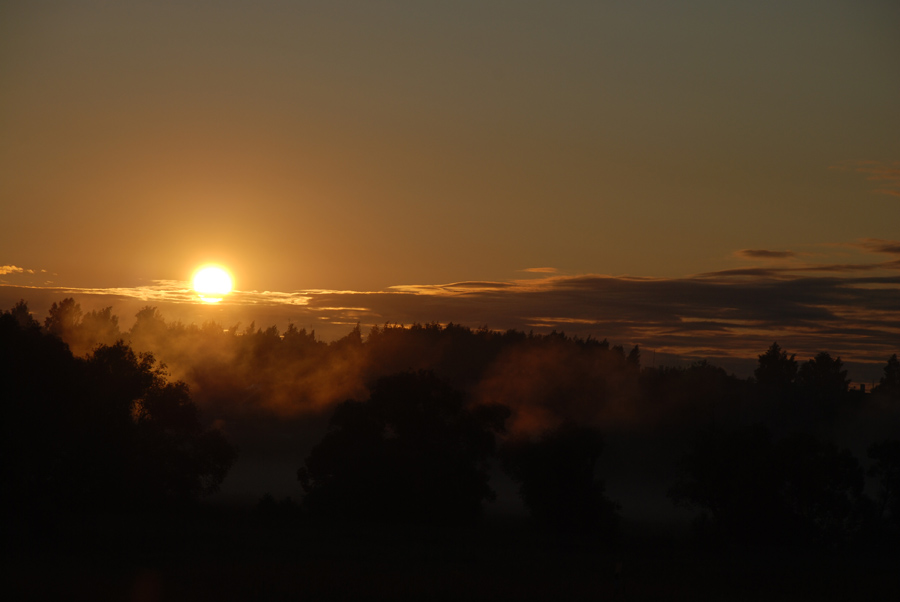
{"type": "Point", "coordinates": [418, 413]}
{"type": "Point", "coordinates": [104, 432]}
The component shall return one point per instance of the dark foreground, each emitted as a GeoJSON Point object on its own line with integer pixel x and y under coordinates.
{"type": "Point", "coordinates": [242, 555]}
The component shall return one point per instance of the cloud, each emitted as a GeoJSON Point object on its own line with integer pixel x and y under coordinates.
{"type": "Point", "coordinates": [878, 245]}
{"type": "Point", "coordinates": [714, 315]}
{"type": "Point", "coordinates": [887, 173]}
{"type": "Point", "coordinates": [764, 254]}
{"type": "Point", "coordinates": [847, 309]}
{"type": "Point", "coordinates": [541, 270]}
{"type": "Point", "coordinates": [455, 287]}
{"type": "Point", "coordinates": [792, 270]}
{"type": "Point", "coordinates": [13, 269]}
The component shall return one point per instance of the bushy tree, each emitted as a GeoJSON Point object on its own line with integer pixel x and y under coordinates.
{"type": "Point", "coordinates": [823, 377]}
{"type": "Point", "coordinates": [149, 329]}
{"type": "Point", "coordinates": [821, 489]}
{"type": "Point", "coordinates": [82, 331]}
{"type": "Point", "coordinates": [776, 371]}
{"type": "Point", "coordinates": [64, 318]}
{"type": "Point", "coordinates": [23, 317]}
{"type": "Point", "coordinates": [729, 477]}
{"type": "Point", "coordinates": [886, 469]}
{"type": "Point", "coordinates": [557, 481]}
{"type": "Point", "coordinates": [100, 327]}
{"type": "Point", "coordinates": [412, 452]}
{"type": "Point", "coordinates": [750, 488]}
{"type": "Point", "coordinates": [889, 384]}
{"type": "Point", "coordinates": [101, 432]}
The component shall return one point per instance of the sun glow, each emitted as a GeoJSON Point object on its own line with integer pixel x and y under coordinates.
{"type": "Point", "coordinates": [211, 283]}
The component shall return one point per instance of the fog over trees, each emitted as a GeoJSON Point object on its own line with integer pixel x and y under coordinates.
{"type": "Point", "coordinates": [99, 432]}
{"type": "Point", "coordinates": [415, 425]}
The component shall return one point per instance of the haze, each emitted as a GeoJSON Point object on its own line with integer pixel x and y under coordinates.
{"type": "Point", "coordinates": [359, 146]}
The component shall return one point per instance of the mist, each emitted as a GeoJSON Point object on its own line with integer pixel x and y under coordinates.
{"type": "Point", "coordinates": [272, 393]}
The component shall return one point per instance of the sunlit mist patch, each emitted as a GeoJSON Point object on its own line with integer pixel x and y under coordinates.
{"type": "Point", "coordinates": [211, 283]}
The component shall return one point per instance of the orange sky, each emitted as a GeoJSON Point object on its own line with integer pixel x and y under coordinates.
{"type": "Point", "coordinates": [358, 146]}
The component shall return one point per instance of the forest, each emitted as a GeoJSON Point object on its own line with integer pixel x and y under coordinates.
{"type": "Point", "coordinates": [124, 443]}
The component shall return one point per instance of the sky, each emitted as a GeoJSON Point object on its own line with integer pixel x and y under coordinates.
{"type": "Point", "coordinates": [697, 177]}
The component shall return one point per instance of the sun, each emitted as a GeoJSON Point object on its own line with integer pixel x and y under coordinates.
{"type": "Point", "coordinates": [212, 283]}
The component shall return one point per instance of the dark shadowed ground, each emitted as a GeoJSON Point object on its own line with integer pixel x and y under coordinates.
{"type": "Point", "coordinates": [242, 554]}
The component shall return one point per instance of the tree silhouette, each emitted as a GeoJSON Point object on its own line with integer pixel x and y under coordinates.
{"type": "Point", "coordinates": [413, 452]}
{"type": "Point", "coordinates": [886, 468]}
{"type": "Point", "coordinates": [180, 459]}
{"type": "Point", "coordinates": [82, 332]}
{"type": "Point", "coordinates": [39, 400]}
{"type": "Point", "coordinates": [889, 384]}
{"type": "Point", "coordinates": [108, 429]}
{"type": "Point", "coordinates": [821, 488]}
{"type": "Point", "coordinates": [823, 377]}
{"type": "Point", "coordinates": [298, 341]}
{"type": "Point", "coordinates": [557, 482]}
{"type": "Point", "coordinates": [149, 329]}
{"type": "Point", "coordinates": [100, 327]}
{"type": "Point", "coordinates": [634, 357]}
{"type": "Point", "coordinates": [23, 317]}
{"type": "Point", "coordinates": [729, 477]}
{"type": "Point", "coordinates": [751, 489]}
{"type": "Point", "coordinates": [172, 457]}
{"type": "Point", "coordinates": [776, 371]}
{"type": "Point", "coordinates": [64, 318]}
{"type": "Point", "coordinates": [104, 432]}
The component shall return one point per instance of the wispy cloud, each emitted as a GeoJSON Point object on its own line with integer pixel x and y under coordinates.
{"type": "Point", "coordinates": [844, 308]}
{"type": "Point", "coordinates": [791, 271]}
{"type": "Point", "coordinates": [886, 173]}
{"type": "Point", "coordinates": [541, 270]}
{"type": "Point", "coordinates": [764, 254]}
{"type": "Point", "coordinates": [878, 245]}
{"type": "Point", "coordinates": [447, 289]}
{"type": "Point", "coordinates": [714, 315]}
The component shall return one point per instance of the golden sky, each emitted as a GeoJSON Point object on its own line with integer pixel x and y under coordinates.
{"type": "Point", "coordinates": [358, 146]}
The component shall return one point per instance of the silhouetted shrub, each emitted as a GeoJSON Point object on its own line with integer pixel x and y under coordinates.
{"type": "Point", "coordinates": [886, 469]}
{"type": "Point", "coordinates": [751, 489]}
{"type": "Point", "coordinates": [776, 371]}
{"type": "Point", "coordinates": [104, 432]}
{"type": "Point", "coordinates": [412, 452]}
{"type": "Point", "coordinates": [557, 481]}
{"type": "Point", "coordinates": [889, 384]}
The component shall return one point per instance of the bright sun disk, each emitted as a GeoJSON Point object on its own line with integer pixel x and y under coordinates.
{"type": "Point", "coordinates": [212, 283]}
